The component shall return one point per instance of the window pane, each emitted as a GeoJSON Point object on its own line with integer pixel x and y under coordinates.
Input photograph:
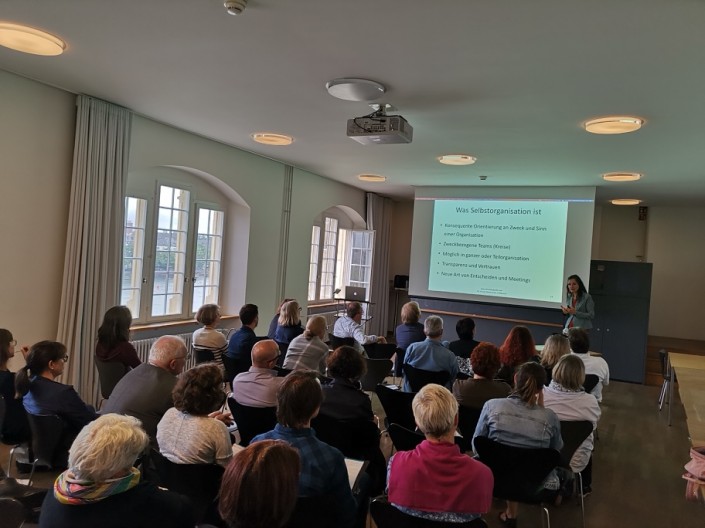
{"type": "Point", "coordinates": [132, 253]}
{"type": "Point", "coordinates": [165, 196]}
{"type": "Point", "coordinates": [209, 246]}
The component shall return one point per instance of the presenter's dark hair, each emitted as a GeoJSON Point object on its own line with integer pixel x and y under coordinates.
{"type": "Point", "coordinates": [581, 287]}
{"type": "Point", "coordinates": [248, 314]}
{"type": "Point", "coordinates": [465, 328]}
{"type": "Point", "coordinates": [115, 327]}
{"type": "Point", "coordinates": [37, 362]}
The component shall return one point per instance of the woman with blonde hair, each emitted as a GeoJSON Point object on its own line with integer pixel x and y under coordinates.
{"type": "Point", "coordinates": [308, 351]}
{"type": "Point", "coordinates": [555, 347]}
{"type": "Point", "coordinates": [289, 323]}
{"type": "Point", "coordinates": [103, 488]}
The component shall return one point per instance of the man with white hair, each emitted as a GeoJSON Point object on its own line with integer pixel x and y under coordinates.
{"type": "Point", "coordinates": [145, 392]}
{"type": "Point", "coordinates": [431, 354]}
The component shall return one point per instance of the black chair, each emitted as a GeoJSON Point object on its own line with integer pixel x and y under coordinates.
{"type": "Point", "coordinates": [252, 421]}
{"type": "Point", "coordinates": [313, 512]}
{"type": "Point", "coordinates": [419, 377]}
{"type": "Point", "coordinates": [233, 367]}
{"type": "Point", "coordinates": [13, 513]}
{"type": "Point", "coordinates": [10, 441]}
{"type": "Point", "coordinates": [282, 372]}
{"type": "Point", "coordinates": [518, 472]}
{"type": "Point", "coordinates": [399, 362]}
{"type": "Point", "coordinates": [467, 421]}
{"type": "Point", "coordinates": [387, 516]}
{"type": "Point", "coordinates": [404, 439]}
{"type": "Point", "coordinates": [109, 373]}
{"type": "Point", "coordinates": [283, 349]}
{"type": "Point", "coordinates": [380, 350]}
{"type": "Point", "coordinates": [397, 406]}
{"type": "Point", "coordinates": [49, 442]}
{"type": "Point", "coordinates": [377, 370]}
{"type": "Point", "coordinates": [199, 482]}
{"type": "Point", "coordinates": [202, 354]}
{"type": "Point", "coordinates": [574, 433]}
{"type": "Point", "coordinates": [336, 341]}
{"type": "Point", "coordinates": [591, 381]}
{"type": "Point", "coordinates": [666, 375]}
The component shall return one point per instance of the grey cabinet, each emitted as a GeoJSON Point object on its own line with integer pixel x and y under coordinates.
{"type": "Point", "coordinates": [622, 293]}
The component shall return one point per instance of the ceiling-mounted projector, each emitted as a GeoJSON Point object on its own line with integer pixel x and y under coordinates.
{"type": "Point", "coordinates": [380, 129]}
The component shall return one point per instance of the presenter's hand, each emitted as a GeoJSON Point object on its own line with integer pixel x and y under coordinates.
{"type": "Point", "coordinates": [381, 340]}
{"type": "Point", "coordinates": [565, 310]}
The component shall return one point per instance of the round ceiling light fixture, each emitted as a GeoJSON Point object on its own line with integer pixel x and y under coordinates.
{"type": "Point", "coordinates": [621, 176]}
{"type": "Point", "coordinates": [613, 124]}
{"type": "Point", "coordinates": [376, 178]}
{"type": "Point", "coordinates": [270, 138]}
{"type": "Point", "coordinates": [350, 89]}
{"type": "Point", "coordinates": [456, 159]}
{"type": "Point", "coordinates": [30, 40]}
{"type": "Point", "coordinates": [625, 201]}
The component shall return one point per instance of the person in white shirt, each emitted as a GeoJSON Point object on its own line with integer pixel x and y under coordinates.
{"type": "Point", "coordinates": [308, 351]}
{"type": "Point", "coordinates": [208, 338]}
{"type": "Point", "coordinates": [259, 385]}
{"type": "Point", "coordinates": [349, 326]}
{"type": "Point", "coordinates": [579, 345]}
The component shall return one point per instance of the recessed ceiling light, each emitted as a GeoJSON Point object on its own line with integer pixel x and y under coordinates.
{"type": "Point", "coordinates": [269, 138]}
{"type": "Point", "coordinates": [621, 176]}
{"type": "Point", "coordinates": [625, 201]}
{"type": "Point", "coordinates": [371, 178]}
{"type": "Point", "coordinates": [350, 89]}
{"type": "Point", "coordinates": [30, 40]}
{"type": "Point", "coordinates": [457, 159]}
{"type": "Point", "coordinates": [613, 124]}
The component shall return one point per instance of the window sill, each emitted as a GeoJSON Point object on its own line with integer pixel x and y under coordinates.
{"type": "Point", "coordinates": [170, 324]}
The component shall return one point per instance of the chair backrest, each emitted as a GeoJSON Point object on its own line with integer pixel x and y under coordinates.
{"type": "Point", "coordinates": [314, 512]}
{"type": "Point", "coordinates": [355, 439]}
{"type": "Point", "coordinates": [467, 421]}
{"type": "Point", "coordinates": [404, 439]}
{"type": "Point", "coordinates": [109, 373]}
{"type": "Point", "coordinates": [377, 370]}
{"type": "Point", "coordinates": [518, 472]}
{"type": "Point", "coordinates": [283, 349]}
{"type": "Point", "coordinates": [47, 435]}
{"type": "Point", "coordinates": [3, 411]}
{"type": "Point", "coordinates": [591, 381]}
{"type": "Point", "coordinates": [202, 354]}
{"type": "Point", "coordinates": [399, 361]}
{"type": "Point", "coordinates": [397, 406]}
{"type": "Point", "coordinates": [387, 516]}
{"type": "Point", "coordinates": [199, 482]}
{"type": "Point", "coordinates": [12, 512]}
{"type": "Point", "coordinates": [380, 350]}
{"type": "Point", "coordinates": [336, 341]}
{"type": "Point", "coordinates": [252, 421]}
{"type": "Point", "coordinates": [419, 377]}
{"type": "Point", "coordinates": [573, 434]}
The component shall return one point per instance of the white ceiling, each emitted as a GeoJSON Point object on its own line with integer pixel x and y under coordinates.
{"type": "Point", "coordinates": [509, 81]}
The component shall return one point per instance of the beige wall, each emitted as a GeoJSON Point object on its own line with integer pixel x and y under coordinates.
{"type": "Point", "coordinates": [36, 149]}
{"type": "Point", "coordinates": [618, 234]}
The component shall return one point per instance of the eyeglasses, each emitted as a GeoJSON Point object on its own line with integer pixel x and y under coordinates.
{"type": "Point", "coordinates": [13, 342]}
{"type": "Point", "coordinates": [275, 358]}
{"type": "Point", "coordinates": [65, 358]}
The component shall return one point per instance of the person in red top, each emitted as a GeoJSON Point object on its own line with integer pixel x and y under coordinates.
{"type": "Point", "coordinates": [114, 338]}
{"type": "Point", "coordinates": [436, 481]}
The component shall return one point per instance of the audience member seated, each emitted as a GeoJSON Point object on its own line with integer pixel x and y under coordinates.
{"type": "Point", "coordinates": [580, 345]}
{"type": "Point", "coordinates": [343, 398]}
{"type": "Point", "coordinates": [42, 395]}
{"type": "Point", "coordinates": [518, 348]}
{"type": "Point", "coordinates": [431, 354]}
{"type": "Point", "coordinates": [275, 320]}
{"type": "Point", "coordinates": [260, 486]}
{"type": "Point", "coordinates": [259, 385]}
{"type": "Point", "coordinates": [308, 351]}
{"type": "Point", "coordinates": [463, 347]}
{"type": "Point", "coordinates": [189, 432]}
{"type": "Point", "coordinates": [349, 326]}
{"type": "Point", "coordinates": [474, 392]}
{"type": "Point", "coordinates": [521, 420]}
{"type": "Point", "coordinates": [555, 347]}
{"type": "Point", "coordinates": [15, 428]}
{"type": "Point", "coordinates": [145, 392]}
{"type": "Point", "coordinates": [436, 481]}
{"type": "Point", "coordinates": [102, 488]}
{"type": "Point", "coordinates": [208, 338]}
{"type": "Point", "coordinates": [239, 351]}
{"type": "Point", "coordinates": [323, 470]}
{"type": "Point", "coordinates": [289, 323]}
{"type": "Point", "coordinates": [114, 338]}
{"type": "Point", "coordinates": [565, 397]}
{"type": "Point", "coordinates": [410, 330]}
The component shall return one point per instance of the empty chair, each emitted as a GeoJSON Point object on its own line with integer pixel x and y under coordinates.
{"type": "Point", "coordinates": [518, 472]}
{"type": "Point", "coordinates": [380, 350]}
{"type": "Point", "coordinates": [419, 377]}
{"type": "Point", "coordinates": [313, 512]}
{"type": "Point", "coordinates": [397, 406]}
{"type": "Point", "coordinates": [574, 434]}
{"type": "Point", "coordinates": [336, 341]}
{"type": "Point", "coordinates": [252, 421]}
{"type": "Point", "coordinates": [109, 373]}
{"type": "Point", "coordinates": [404, 439]}
{"type": "Point", "coordinates": [377, 370]}
{"type": "Point", "coordinates": [387, 516]}
{"type": "Point", "coordinates": [591, 381]}
{"type": "Point", "coordinates": [48, 442]}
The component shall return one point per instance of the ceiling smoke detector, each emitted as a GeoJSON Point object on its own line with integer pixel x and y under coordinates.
{"type": "Point", "coordinates": [235, 7]}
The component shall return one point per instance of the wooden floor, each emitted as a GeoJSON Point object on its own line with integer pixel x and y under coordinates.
{"type": "Point", "coordinates": [638, 464]}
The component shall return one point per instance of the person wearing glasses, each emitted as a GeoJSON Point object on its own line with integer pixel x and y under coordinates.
{"type": "Point", "coordinates": [259, 385]}
{"type": "Point", "coordinates": [41, 394]}
{"type": "Point", "coordinates": [145, 392]}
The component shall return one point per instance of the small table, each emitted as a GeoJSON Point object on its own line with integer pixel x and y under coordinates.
{"type": "Point", "coordinates": [691, 387]}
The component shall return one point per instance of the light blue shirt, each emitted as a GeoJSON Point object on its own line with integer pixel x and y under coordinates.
{"type": "Point", "coordinates": [431, 355]}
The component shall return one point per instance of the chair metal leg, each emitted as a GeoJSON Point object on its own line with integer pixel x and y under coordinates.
{"type": "Point", "coordinates": [31, 474]}
{"type": "Point", "coordinates": [548, 517]}
{"type": "Point", "coordinates": [582, 497]}
{"type": "Point", "coordinates": [663, 397]}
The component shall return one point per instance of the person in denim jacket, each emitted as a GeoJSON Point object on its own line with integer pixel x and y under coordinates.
{"type": "Point", "coordinates": [521, 420]}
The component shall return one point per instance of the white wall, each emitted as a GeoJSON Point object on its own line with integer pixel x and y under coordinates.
{"type": "Point", "coordinates": [36, 149]}
{"type": "Point", "coordinates": [676, 249]}
{"type": "Point", "coordinates": [621, 235]}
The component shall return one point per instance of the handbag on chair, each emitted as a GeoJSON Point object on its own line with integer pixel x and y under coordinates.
{"type": "Point", "coordinates": [695, 475]}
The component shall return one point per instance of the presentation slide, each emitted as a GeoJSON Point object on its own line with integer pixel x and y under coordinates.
{"type": "Point", "coordinates": [499, 248]}
{"type": "Point", "coordinates": [500, 245]}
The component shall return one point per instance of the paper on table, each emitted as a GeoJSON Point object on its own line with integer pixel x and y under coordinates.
{"type": "Point", "coordinates": [355, 469]}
